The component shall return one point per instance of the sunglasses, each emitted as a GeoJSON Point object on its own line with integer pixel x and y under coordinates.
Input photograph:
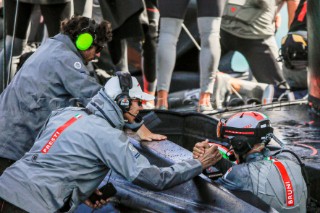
{"type": "Point", "coordinates": [98, 48]}
{"type": "Point", "coordinates": [138, 101]}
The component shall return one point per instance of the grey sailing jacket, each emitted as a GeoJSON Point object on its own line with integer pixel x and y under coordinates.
{"type": "Point", "coordinates": [262, 178]}
{"type": "Point", "coordinates": [79, 159]}
{"type": "Point", "coordinates": [53, 77]}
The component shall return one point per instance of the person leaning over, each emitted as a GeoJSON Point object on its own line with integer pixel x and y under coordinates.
{"type": "Point", "coordinates": [54, 76]}
{"type": "Point", "coordinates": [78, 146]}
{"type": "Point", "coordinates": [277, 180]}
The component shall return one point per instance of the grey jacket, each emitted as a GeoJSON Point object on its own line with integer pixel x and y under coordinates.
{"type": "Point", "coordinates": [80, 158]}
{"type": "Point", "coordinates": [262, 178]}
{"type": "Point", "coordinates": [53, 77]}
{"type": "Point", "coordinates": [250, 19]}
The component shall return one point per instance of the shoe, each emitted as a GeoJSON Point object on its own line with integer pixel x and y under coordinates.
{"type": "Point", "coordinates": [203, 108]}
{"type": "Point", "coordinates": [273, 93]}
{"type": "Point", "coordinates": [148, 105]}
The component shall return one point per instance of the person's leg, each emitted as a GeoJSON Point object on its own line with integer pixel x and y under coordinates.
{"type": "Point", "coordinates": [227, 52]}
{"type": "Point", "coordinates": [261, 55]}
{"type": "Point", "coordinates": [118, 53]}
{"type": "Point", "coordinates": [209, 20]}
{"type": "Point", "coordinates": [122, 64]}
{"type": "Point", "coordinates": [261, 58]}
{"type": "Point", "coordinates": [149, 49]}
{"type": "Point", "coordinates": [248, 89]}
{"type": "Point", "coordinates": [83, 8]}
{"type": "Point", "coordinates": [172, 13]}
{"type": "Point", "coordinates": [238, 90]}
{"type": "Point", "coordinates": [297, 78]}
{"type": "Point", "coordinates": [53, 14]}
{"type": "Point", "coordinates": [16, 42]}
{"type": "Point", "coordinates": [36, 29]}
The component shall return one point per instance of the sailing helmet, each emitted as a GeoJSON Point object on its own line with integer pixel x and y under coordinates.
{"type": "Point", "coordinates": [245, 129]}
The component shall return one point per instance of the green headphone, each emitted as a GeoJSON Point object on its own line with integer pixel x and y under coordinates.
{"type": "Point", "coordinates": [85, 39]}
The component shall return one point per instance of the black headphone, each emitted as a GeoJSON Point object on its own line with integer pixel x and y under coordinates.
{"type": "Point", "coordinates": [242, 144]}
{"type": "Point", "coordinates": [123, 99]}
{"type": "Point", "coordinates": [87, 36]}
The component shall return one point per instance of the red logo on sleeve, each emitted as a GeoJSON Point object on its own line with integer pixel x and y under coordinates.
{"type": "Point", "coordinates": [58, 132]}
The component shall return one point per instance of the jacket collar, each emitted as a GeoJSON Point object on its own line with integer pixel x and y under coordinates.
{"type": "Point", "coordinates": [69, 43]}
{"type": "Point", "coordinates": [257, 156]}
{"type": "Point", "coordinates": [103, 106]}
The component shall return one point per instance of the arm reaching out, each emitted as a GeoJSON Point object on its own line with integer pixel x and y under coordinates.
{"type": "Point", "coordinates": [146, 135]}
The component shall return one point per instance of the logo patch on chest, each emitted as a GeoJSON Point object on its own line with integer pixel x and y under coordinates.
{"type": "Point", "coordinates": [77, 65]}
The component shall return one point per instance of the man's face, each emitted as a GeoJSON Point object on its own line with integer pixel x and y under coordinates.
{"type": "Point", "coordinates": [91, 53]}
{"type": "Point", "coordinates": [136, 106]}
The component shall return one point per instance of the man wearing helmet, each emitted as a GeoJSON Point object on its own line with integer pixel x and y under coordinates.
{"type": "Point", "coordinates": [277, 180]}
{"type": "Point", "coordinates": [78, 146]}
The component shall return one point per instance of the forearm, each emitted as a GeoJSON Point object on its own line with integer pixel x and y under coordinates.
{"type": "Point", "coordinates": [161, 178]}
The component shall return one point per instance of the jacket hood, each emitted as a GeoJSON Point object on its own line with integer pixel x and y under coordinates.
{"type": "Point", "coordinates": [69, 43]}
{"type": "Point", "coordinates": [103, 106]}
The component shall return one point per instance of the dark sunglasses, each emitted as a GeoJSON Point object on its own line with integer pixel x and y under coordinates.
{"type": "Point", "coordinates": [98, 48]}
{"type": "Point", "coordinates": [139, 101]}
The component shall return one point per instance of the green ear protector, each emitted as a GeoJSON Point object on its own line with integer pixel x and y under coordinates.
{"type": "Point", "coordinates": [85, 39]}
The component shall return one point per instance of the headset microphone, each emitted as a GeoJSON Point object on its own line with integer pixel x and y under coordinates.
{"type": "Point", "coordinates": [132, 114]}
{"type": "Point", "coordinates": [138, 122]}
{"type": "Point", "coordinates": [137, 118]}
{"type": "Point", "coordinates": [133, 126]}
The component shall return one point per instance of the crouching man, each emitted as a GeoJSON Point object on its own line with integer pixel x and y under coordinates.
{"type": "Point", "coordinates": [78, 146]}
{"type": "Point", "coordinates": [277, 180]}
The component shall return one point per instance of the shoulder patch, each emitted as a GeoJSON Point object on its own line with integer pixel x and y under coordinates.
{"type": "Point", "coordinates": [77, 65]}
{"type": "Point", "coordinates": [132, 148]}
{"type": "Point", "coordinates": [134, 151]}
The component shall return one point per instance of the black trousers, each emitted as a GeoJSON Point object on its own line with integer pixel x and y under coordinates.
{"type": "Point", "coordinates": [260, 53]}
{"type": "Point", "coordinates": [52, 14]}
{"type": "Point", "coordinates": [178, 9]}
